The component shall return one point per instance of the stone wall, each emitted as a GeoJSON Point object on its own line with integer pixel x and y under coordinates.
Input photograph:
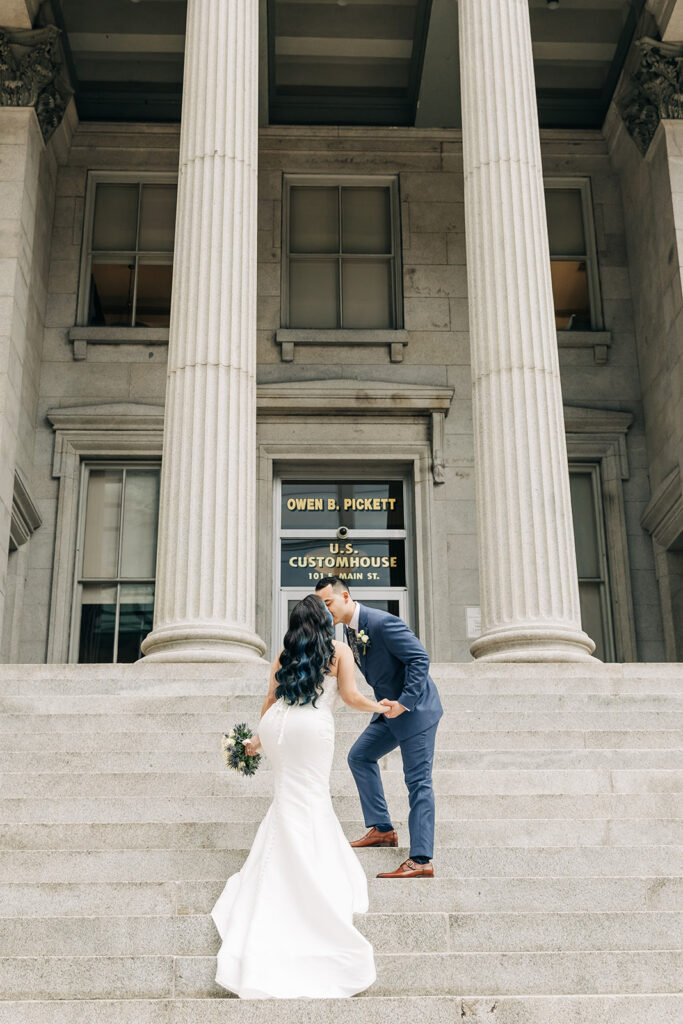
{"type": "Point", "coordinates": [653, 194]}
{"type": "Point", "coordinates": [436, 320]}
{"type": "Point", "coordinates": [28, 173]}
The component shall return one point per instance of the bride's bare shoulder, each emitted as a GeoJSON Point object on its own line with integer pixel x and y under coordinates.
{"type": "Point", "coordinates": [341, 650]}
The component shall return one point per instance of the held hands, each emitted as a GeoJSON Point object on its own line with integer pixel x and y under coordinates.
{"type": "Point", "coordinates": [392, 708]}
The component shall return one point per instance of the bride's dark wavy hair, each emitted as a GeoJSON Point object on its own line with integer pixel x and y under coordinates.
{"type": "Point", "coordinates": [308, 652]}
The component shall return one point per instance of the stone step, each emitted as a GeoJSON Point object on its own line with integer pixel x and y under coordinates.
{"type": "Point", "coordinates": [575, 1009]}
{"type": "Point", "coordinates": [250, 706]}
{"type": "Point", "coordinates": [596, 972]}
{"type": "Point", "coordinates": [178, 739]}
{"type": "Point", "coordinates": [152, 865]}
{"type": "Point", "coordinates": [351, 723]}
{"type": "Point", "coordinates": [196, 935]}
{"type": "Point", "coordinates": [246, 808]}
{"type": "Point", "coordinates": [445, 760]}
{"type": "Point", "coordinates": [467, 894]}
{"type": "Point", "coordinates": [455, 677]}
{"type": "Point", "coordinates": [568, 1009]}
{"type": "Point", "coordinates": [572, 833]}
{"type": "Point", "coordinates": [222, 782]}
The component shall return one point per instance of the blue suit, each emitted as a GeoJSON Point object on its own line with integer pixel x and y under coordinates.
{"type": "Point", "coordinates": [396, 666]}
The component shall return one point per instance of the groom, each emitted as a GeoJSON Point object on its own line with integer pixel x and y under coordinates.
{"type": "Point", "coordinates": [396, 666]}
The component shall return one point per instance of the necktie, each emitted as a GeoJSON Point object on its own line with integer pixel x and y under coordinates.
{"type": "Point", "coordinates": [353, 644]}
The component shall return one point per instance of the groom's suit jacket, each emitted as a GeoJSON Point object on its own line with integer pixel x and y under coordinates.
{"type": "Point", "coordinates": [396, 666]}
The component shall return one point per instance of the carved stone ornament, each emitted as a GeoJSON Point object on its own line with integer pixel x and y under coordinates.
{"type": "Point", "coordinates": [655, 90]}
{"type": "Point", "coordinates": [31, 74]}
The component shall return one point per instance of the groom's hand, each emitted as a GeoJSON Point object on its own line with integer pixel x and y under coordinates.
{"type": "Point", "coordinates": [394, 709]}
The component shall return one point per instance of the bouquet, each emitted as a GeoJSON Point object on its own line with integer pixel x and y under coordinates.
{"type": "Point", "coordinates": [234, 756]}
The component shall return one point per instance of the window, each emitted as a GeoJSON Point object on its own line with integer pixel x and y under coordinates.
{"type": "Point", "coordinates": [116, 561]}
{"type": "Point", "coordinates": [128, 252]}
{"type": "Point", "coordinates": [341, 243]}
{"type": "Point", "coordinates": [573, 258]}
{"type": "Point", "coordinates": [589, 538]}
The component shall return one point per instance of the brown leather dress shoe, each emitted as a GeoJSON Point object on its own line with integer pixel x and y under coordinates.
{"type": "Point", "coordinates": [375, 838]}
{"type": "Point", "coordinates": [409, 869]}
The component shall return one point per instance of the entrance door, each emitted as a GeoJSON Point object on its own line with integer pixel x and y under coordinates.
{"type": "Point", "coordinates": [357, 529]}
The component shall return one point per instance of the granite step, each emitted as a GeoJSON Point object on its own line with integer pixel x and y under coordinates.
{"type": "Point", "coordinates": [196, 935]}
{"type": "Point", "coordinates": [445, 760]}
{"type": "Point", "coordinates": [253, 808]}
{"type": "Point", "coordinates": [507, 973]}
{"type": "Point", "coordinates": [572, 833]}
{"type": "Point", "coordinates": [221, 782]}
{"type": "Point", "coordinates": [238, 704]}
{"type": "Point", "coordinates": [495, 1009]}
{"type": "Point", "coordinates": [465, 894]}
{"type": "Point", "coordinates": [348, 722]}
{"type": "Point", "coordinates": [464, 739]}
{"type": "Point", "coordinates": [119, 864]}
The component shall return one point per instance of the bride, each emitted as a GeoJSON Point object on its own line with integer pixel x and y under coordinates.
{"type": "Point", "coordinates": [286, 919]}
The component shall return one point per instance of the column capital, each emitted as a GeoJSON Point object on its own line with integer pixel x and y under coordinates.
{"type": "Point", "coordinates": [654, 90]}
{"type": "Point", "coordinates": [32, 74]}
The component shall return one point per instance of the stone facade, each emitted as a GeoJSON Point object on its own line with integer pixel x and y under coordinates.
{"type": "Point", "coordinates": [429, 166]}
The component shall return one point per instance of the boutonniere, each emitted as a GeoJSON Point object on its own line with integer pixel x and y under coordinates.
{"type": "Point", "coordinates": [364, 639]}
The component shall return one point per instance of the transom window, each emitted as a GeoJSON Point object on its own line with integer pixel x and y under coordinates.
{"type": "Point", "coordinates": [341, 245]}
{"type": "Point", "coordinates": [573, 257]}
{"type": "Point", "coordinates": [128, 252]}
{"type": "Point", "coordinates": [115, 561]}
{"type": "Point", "coordinates": [591, 557]}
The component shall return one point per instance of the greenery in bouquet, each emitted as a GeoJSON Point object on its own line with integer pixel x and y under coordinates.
{"type": "Point", "coordinates": [234, 756]}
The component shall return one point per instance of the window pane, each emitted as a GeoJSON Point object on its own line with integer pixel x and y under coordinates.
{"type": "Point", "coordinates": [136, 613]}
{"type": "Point", "coordinates": [157, 218]}
{"type": "Point", "coordinates": [313, 293]}
{"type": "Point", "coordinates": [592, 619]}
{"type": "Point", "coordinates": [366, 220]}
{"type": "Point", "coordinates": [366, 294]}
{"type": "Point", "coordinates": [102, 516]}
{"type": "Point", "coordinates": [564, 208]}
{"type": "Point", "coordinates": [570, 295]}
{"type": "Point", "coordinates": [326, 505]}
{"type": "Point", "coordinates": [98, 621]}
{"type": "Point", "coordinates": [111, 294]}
{"type": "Point", "coordinates": [364, 563]}
{"type": "Point", "coordinates": [140, 516]}
{"type": "Point", "coordinates": [313, 220]}
{"type": "Point", "coordinates": [153, 304]}
{"type": "Point", "coordinates": [585, 525]}
{"type": "Point", "coordinates": [116, 215]}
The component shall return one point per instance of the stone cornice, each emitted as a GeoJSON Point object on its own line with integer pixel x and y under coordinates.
{"type": "Point", "coordinates": [353, 397]}
{"type": "Point", "coordinates": [25, 516]}
{"type": "Point", "coordinates": [31, 74]}
{"type": "Point", "coordinates": [654, 91]}
{"type": "Point", "coordinates": [108, 416]}
{"type": "Point", "coordinates": [663, 516]}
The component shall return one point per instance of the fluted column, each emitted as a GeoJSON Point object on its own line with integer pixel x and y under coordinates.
{"type": "Point", "coordinates": [204, 607]}
{"type": "Point", "coordinates": [527, 561]}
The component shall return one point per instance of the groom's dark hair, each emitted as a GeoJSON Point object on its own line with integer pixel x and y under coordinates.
{"type": "Point", "coordinates": [333, 581]}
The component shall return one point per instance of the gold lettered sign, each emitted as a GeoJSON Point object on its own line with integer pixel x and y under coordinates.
{"type": "Point", "coordinates": [368, 563]}
{"type": "Point", "coordinates": [366, 505]}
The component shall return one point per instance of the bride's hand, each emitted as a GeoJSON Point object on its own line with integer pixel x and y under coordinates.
{"type": "Point", "coordinates": [252, 746]}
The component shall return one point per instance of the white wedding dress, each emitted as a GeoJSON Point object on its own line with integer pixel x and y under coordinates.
{"type": "Point", "coordinates": [286, 919]}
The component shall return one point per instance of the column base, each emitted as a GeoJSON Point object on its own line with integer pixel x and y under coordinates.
{"type": "Point", "coordinates": [533, 643]}
{"type": "Point", "coordinates": [198, 641]}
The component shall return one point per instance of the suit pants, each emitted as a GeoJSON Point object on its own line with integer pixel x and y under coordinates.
{"type": "Point", "coordinates": [417, 752]}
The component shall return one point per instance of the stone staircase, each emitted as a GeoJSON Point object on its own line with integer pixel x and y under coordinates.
{"type": "Point", "coordinates": [558, 895]}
